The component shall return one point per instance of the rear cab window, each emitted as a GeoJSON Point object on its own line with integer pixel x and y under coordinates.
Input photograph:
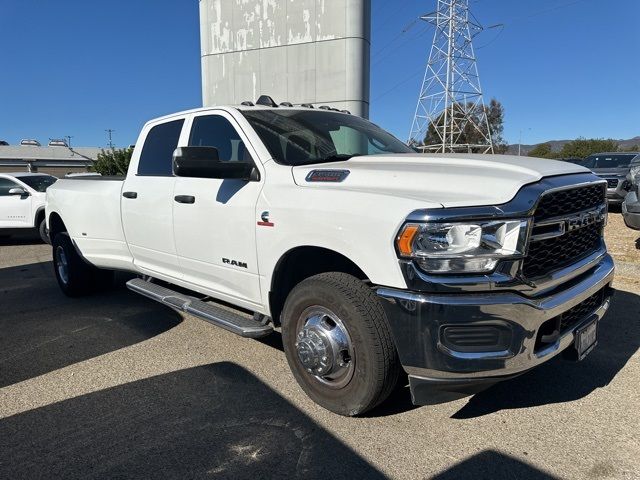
{"type": "Point", "coordinates": [157, 152]}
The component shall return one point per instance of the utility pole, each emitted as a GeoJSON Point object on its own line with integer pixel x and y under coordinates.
{"type": "Point", "coordinates": [450, 107]}
{"type": "Point", "coordinates": [520, 141]}
{"type": "Point", "coordinates": [109, 133]}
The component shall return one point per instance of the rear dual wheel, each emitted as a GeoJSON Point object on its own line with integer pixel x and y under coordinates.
{"type": "Point", "coordinates": [338, 343]}
{"type": "Point", "coordinates": [75, 276]}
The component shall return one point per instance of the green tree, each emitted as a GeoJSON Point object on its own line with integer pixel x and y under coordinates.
{"type": "Point", "coordinates": [495, 115]}
{"type": "Point", "coordinates": [542, 150]}
{"type": "Point", "coordinates": [583, 147]}
{"type": "Point", "coordinates": [470, 134]}
{"type": "Point", "coordinates": [113, 162]}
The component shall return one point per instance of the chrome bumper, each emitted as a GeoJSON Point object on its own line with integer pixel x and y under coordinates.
{"type": "Point", "coordinates": [417, 319]}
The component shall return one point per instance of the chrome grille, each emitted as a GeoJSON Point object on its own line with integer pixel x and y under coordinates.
{"type": "Point", "coordinates": [550, 254]}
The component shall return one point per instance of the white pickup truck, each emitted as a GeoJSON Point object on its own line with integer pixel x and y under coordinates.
{"type": "Point", "coordinates": [22, 200]}
{"type": "Point", "coordinates": [462, 270]}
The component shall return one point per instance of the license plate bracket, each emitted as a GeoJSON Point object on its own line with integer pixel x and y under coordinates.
{"type": "Point", "coordinates": [586, 338]}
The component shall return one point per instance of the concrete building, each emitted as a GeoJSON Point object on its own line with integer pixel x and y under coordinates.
{"type": "Point", "coordinates": [56, 161]}
{"type": "Point", "coordinates": [300, 51]}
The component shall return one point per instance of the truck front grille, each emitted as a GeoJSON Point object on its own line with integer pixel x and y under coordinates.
{"type": "Point", "coordinates": [612, 182]}
{"type": "Point", "coordinates": [546, 256]}
{"type": "Point", "coordinates": [566, 202]}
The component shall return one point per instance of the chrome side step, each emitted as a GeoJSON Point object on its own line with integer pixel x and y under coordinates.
{"type": "Point", "coordinates": [236, 322]}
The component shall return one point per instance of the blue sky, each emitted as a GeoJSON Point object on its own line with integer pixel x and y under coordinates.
{"type": "Point", "coordinates": [561, 68]}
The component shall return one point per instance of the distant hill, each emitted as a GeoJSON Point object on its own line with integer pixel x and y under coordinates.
{"type": "Point", "coordinates": [556, 145]}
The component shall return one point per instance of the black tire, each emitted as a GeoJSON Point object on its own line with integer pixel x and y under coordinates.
{"type": "Point", "coordinates": [75, 276]}
{"type": "Point", "coordinates": [376, 367]}
{"type": "Point", "coordinates": [42, 230]}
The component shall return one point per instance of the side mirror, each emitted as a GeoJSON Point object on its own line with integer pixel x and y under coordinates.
{"type": "Point", "coordinates": [204, 162]}
{"type": "Point", "coordinates": [18, 191]}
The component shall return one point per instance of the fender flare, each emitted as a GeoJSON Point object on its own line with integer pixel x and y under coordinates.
{"type": "Point", "coordinates": [39, 210]}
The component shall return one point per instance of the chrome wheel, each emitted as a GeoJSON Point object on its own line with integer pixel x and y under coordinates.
{"type": "Point", "coordinates": [324, 347]}
{"type": "Point", "coordinates": [62, 265]}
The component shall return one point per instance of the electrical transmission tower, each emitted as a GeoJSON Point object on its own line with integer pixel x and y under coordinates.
{"type": "Point", "coordinates": [450, 115]}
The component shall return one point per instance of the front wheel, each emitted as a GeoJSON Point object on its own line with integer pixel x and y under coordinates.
{"type": "Point", "coordinates": [338, 343]}
{"type": "Point", "coordinates": [42, 230]}
{"type": "Point", "coordinates": [75, 276]}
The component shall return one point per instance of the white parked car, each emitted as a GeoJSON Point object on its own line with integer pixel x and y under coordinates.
{"type": "Point", "coordinates": [463, 270]}
{"type": "Point", "coordinates": [22, 201]}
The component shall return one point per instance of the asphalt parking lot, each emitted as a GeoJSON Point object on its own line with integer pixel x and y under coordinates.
{"type": "Point", "coordinates": [117, 386]}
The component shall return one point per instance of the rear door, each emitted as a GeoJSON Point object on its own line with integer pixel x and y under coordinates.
{"type": "Point", "coordinates": [15, 210]}
{"type": "Point", "coordinates": [215, 235]}
{"type": "Point", "coordinates": [147, 203]}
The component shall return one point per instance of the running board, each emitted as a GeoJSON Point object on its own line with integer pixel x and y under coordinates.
{"type": "Point", "coordinates": [236, 322]}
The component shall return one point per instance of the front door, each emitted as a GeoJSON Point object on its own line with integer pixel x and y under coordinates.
{"type": "Point", "coordinates": [215, 235]}
{"type": "Point", "coordinates": [15, 210]}
{"type": "Point", "coordinates": [147, 202]}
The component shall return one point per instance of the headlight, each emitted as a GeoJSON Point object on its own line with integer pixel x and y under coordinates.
{"type": "Point", "coordinates": [634, 173]}
{"type": "Point", "coordinates": [469, 247]}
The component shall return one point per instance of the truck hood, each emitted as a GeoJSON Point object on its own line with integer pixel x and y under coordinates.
{"type": "Point", "coordinates": [452, 180]}
{"type": "Point", "coordinates": [616, 172]}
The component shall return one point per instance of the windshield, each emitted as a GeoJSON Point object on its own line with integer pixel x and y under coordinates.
{"type": "Point", "coordinates": [609, 160]}
{"type": "Point", "coordinates": [301, 137]}
{"type": "Point", "coordinates": [39, 183]}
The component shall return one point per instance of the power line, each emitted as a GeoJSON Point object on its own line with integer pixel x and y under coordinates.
{"type": "Point", "coordinates": [110, 131]}
{"type": "Point", "coordinates": [399, 84]}
{"type": "Point", "coordinates": [422, 32]}
{"type": "Point", "coordinates": [389, 43]}
{"type": "Point", "coordinates": [395, 15]}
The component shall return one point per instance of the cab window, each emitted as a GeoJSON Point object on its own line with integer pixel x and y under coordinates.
{"type": "Point", "coordinates": [157, 153]}
{"type": "Point", "coordinates": [216, 131]}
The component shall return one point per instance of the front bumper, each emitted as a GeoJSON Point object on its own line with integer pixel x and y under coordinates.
{"type": "Point", "coordinates": [631, 211]}
{"type": "Point", "coordinates": [438, 373]}
{"type": "Point", "coordinates": [614, 200]}
{"type": "Point", "coordinates": [615, 196]}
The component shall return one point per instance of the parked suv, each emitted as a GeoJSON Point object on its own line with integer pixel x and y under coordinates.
{"type": "Point", "coordinates": [614, 168]}
{"type": "Point", "coordinates": [22, 200]}
{"type": "Point", "coordinates": [462, 270]}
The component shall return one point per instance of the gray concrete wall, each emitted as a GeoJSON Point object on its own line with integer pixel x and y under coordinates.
{"type": "Point", "coordinates": [301, 51]}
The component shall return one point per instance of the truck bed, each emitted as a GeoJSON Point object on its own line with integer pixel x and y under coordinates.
{"type": "Point", "coordinates": [90, 209]}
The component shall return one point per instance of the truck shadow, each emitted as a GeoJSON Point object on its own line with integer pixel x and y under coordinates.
{"type": "Point", "coordinates": [41, 330]}
{"type": "Point", "coordinates": [494, 465]}
{"type": "Point", "coordinates": [560, 380]}
{"type": "Point", "coordinates": [31, 237]}
{"type": "Point", "coordinates": [216, 420]}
